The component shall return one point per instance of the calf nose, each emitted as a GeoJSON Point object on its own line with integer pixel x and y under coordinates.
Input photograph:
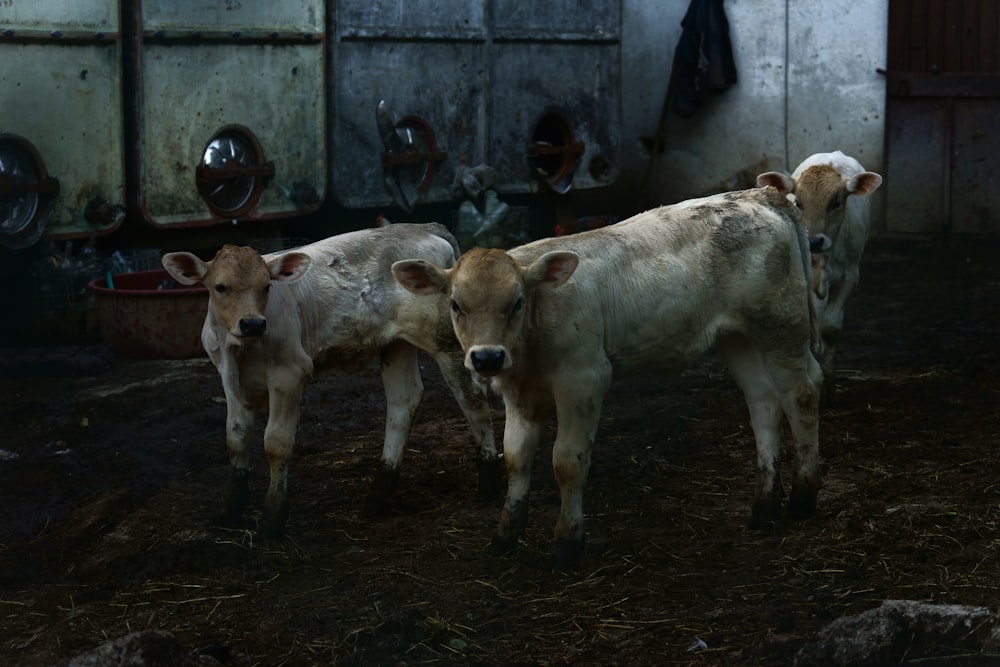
{"type": "Point", "coordinates": [488, 360]}
{"type": "Point", "coordinates": [820, 243]}
{"type": "Point", "coordinates": [253, 326]}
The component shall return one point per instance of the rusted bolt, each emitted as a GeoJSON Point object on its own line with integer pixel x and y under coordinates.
{"type": "Point", "coordinates": [100, 212]}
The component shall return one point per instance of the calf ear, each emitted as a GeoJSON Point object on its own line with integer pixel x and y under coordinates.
{"type": "Point", "coordinates": [551, 269]}
{"type": "Point", "coordinates": [864, 183]}
{"type": "Point", "coordinates": [184, 267]}
{"type": "Point", "coordinates": [783, 183]}
{"type": "Point", "coordinates": [288, 267]}
{"type": "Point", "coordinates": [419, 276]}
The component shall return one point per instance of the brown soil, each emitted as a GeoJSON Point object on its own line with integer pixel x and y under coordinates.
{"type": "Point", "coordinates": [105, 512]}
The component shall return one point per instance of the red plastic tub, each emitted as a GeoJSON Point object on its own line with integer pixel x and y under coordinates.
{"type": "Point", "coordinates": [139, 319]}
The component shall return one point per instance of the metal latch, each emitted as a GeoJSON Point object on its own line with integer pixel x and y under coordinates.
{"type": "Point", "coordinates": [411, 156]}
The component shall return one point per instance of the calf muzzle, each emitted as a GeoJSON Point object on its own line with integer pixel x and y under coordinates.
{"type": "Point", "coordinates": [488, 361]}
{"type": "Point", "coordinates": [253, 326]}
{"type": "Point", "coordinates": [820, 243]}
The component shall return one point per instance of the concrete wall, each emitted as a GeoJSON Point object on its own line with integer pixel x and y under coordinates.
{"type": "Point", "coordinates": [807, 84]}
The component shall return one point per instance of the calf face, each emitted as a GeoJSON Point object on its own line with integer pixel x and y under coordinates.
{"type": "Point", "coordinates": [821, 193]}
{"type": "Point", "coordinates": [487, 290]}
{"type": "Point", "coordinates": [238, 281]}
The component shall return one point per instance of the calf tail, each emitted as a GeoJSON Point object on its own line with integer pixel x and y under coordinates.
{"type": "Point", "coordinates": [815, 340]}
{"type": "Point", "coordinates": [438, 229]}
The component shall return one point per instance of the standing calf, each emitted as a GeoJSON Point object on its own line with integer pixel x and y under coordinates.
{"type": "Point", "coordinates": [831, 190]}
{"type": "Point", "coordinates": [335, 303]}
{"type": "Point", "coordinates": [553, 322]}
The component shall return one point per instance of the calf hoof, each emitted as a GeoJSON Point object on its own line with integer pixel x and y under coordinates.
{"type": "Point", "coordinates": [502, 546]}
{"type": "Point", "coordinates": [802, 503]}
{"type": "Point", "coordinates": [237, 493]}
{"type": "Point", "coordinates": [566, 555]}
{"type": "Point", "coordinates": [230, 520]}
{"type": "Point", "coordinates": [272, 524]}
{"type": "Point", "coordinates": [764, 514]}
{"type": "Point", "coordinates": [270, 531]}
{"type": "Point", "coordinates": [383, 488]}
{"type": "Point", "coordinates": [491, 479]}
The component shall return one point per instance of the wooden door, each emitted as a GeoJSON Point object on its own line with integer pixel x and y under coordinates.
{"type": "Point", "coordinates": [943, 117]}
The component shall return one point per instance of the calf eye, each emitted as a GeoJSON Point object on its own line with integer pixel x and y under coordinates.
{"type": "Point", "coordinates": [267, 289]}
{"type": "Point", "coordinates": [455, 308]}
{"type": "Point", "coordinates": [834, 205]}
{"type": "Point", "coordinates": [221, 289]}
{"type": "Point", "coordinates": [516, 308]}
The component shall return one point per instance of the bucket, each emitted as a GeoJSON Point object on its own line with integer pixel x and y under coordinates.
{"type": "Point", "coordinates": [146, 314]}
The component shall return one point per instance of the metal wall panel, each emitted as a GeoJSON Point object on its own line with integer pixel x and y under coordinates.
{"type": "Point", "coordinates": [480, 75]}
{"type": "Point", "coordinates": [577, 81]}
{"type": "Point", "coordinates": [233, 15]}
{"type": "Point", "coordinates": [85, 15]}
{"type": "Point", "coordinates": [204, 67]}
{"type": "Point", "coordinates": [425, 59]}
{"type": "Point", "coordinates": [60, 68]}
{"type": "Point", "coordinates": [571, 18]}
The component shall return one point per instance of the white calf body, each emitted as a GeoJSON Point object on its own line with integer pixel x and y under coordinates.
{"type": "Point", "coordinates": [273, 319]}
{"type": "Point", "coordinates": [554, 322]}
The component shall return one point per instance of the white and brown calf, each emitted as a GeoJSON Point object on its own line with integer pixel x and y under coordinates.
{"type": "Point", "coordinates": [554, 322]}
{"type": "Point", "coordinates": [273, 318]}
{"type": "Point", "coordinates": [831, 190]}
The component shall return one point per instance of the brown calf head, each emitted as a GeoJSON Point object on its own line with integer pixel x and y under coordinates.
{"type": "Point", "coordinates": [489, 293]}
{"type": "Point", "coordinates": [821, 194]}
{"type": "Point", "coordinates": [238, 281]}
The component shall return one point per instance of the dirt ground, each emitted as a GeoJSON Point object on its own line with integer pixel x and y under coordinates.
{"type": "Point", "coordinates": [108, 484]}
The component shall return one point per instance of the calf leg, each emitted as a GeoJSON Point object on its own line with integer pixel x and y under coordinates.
{"type": "Point", "coordinates": [831, 323]}
{"type": "Point", "coordinates": [571, 464]}
{"type": "Point", "coordinates": [284, 396]}
{"type": "Point", "coordinates": [403, 391]}
{"type": "Point", "coordinates": [474, 404]}
{"type": "Point", "coordinates": [239, 430]}
{"type": "Point", "coordinates": [578, 411]}
{"type": "Point", "coordinates": [520, 438]}
{"type": "Point", "coordinates": [798, 383]}
{"type": "Point", "coordinates": [765, 419]}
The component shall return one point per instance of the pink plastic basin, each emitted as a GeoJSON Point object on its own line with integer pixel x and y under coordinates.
{"type": "Point", "coordinates": [140, 320]}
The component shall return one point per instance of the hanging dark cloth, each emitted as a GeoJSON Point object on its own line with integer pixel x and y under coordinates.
{"type": "Point", "coordinates": [703, 60]}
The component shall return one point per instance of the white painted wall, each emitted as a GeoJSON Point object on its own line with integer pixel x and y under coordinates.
{"type": "Point", "coordinates": [832, 97]}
